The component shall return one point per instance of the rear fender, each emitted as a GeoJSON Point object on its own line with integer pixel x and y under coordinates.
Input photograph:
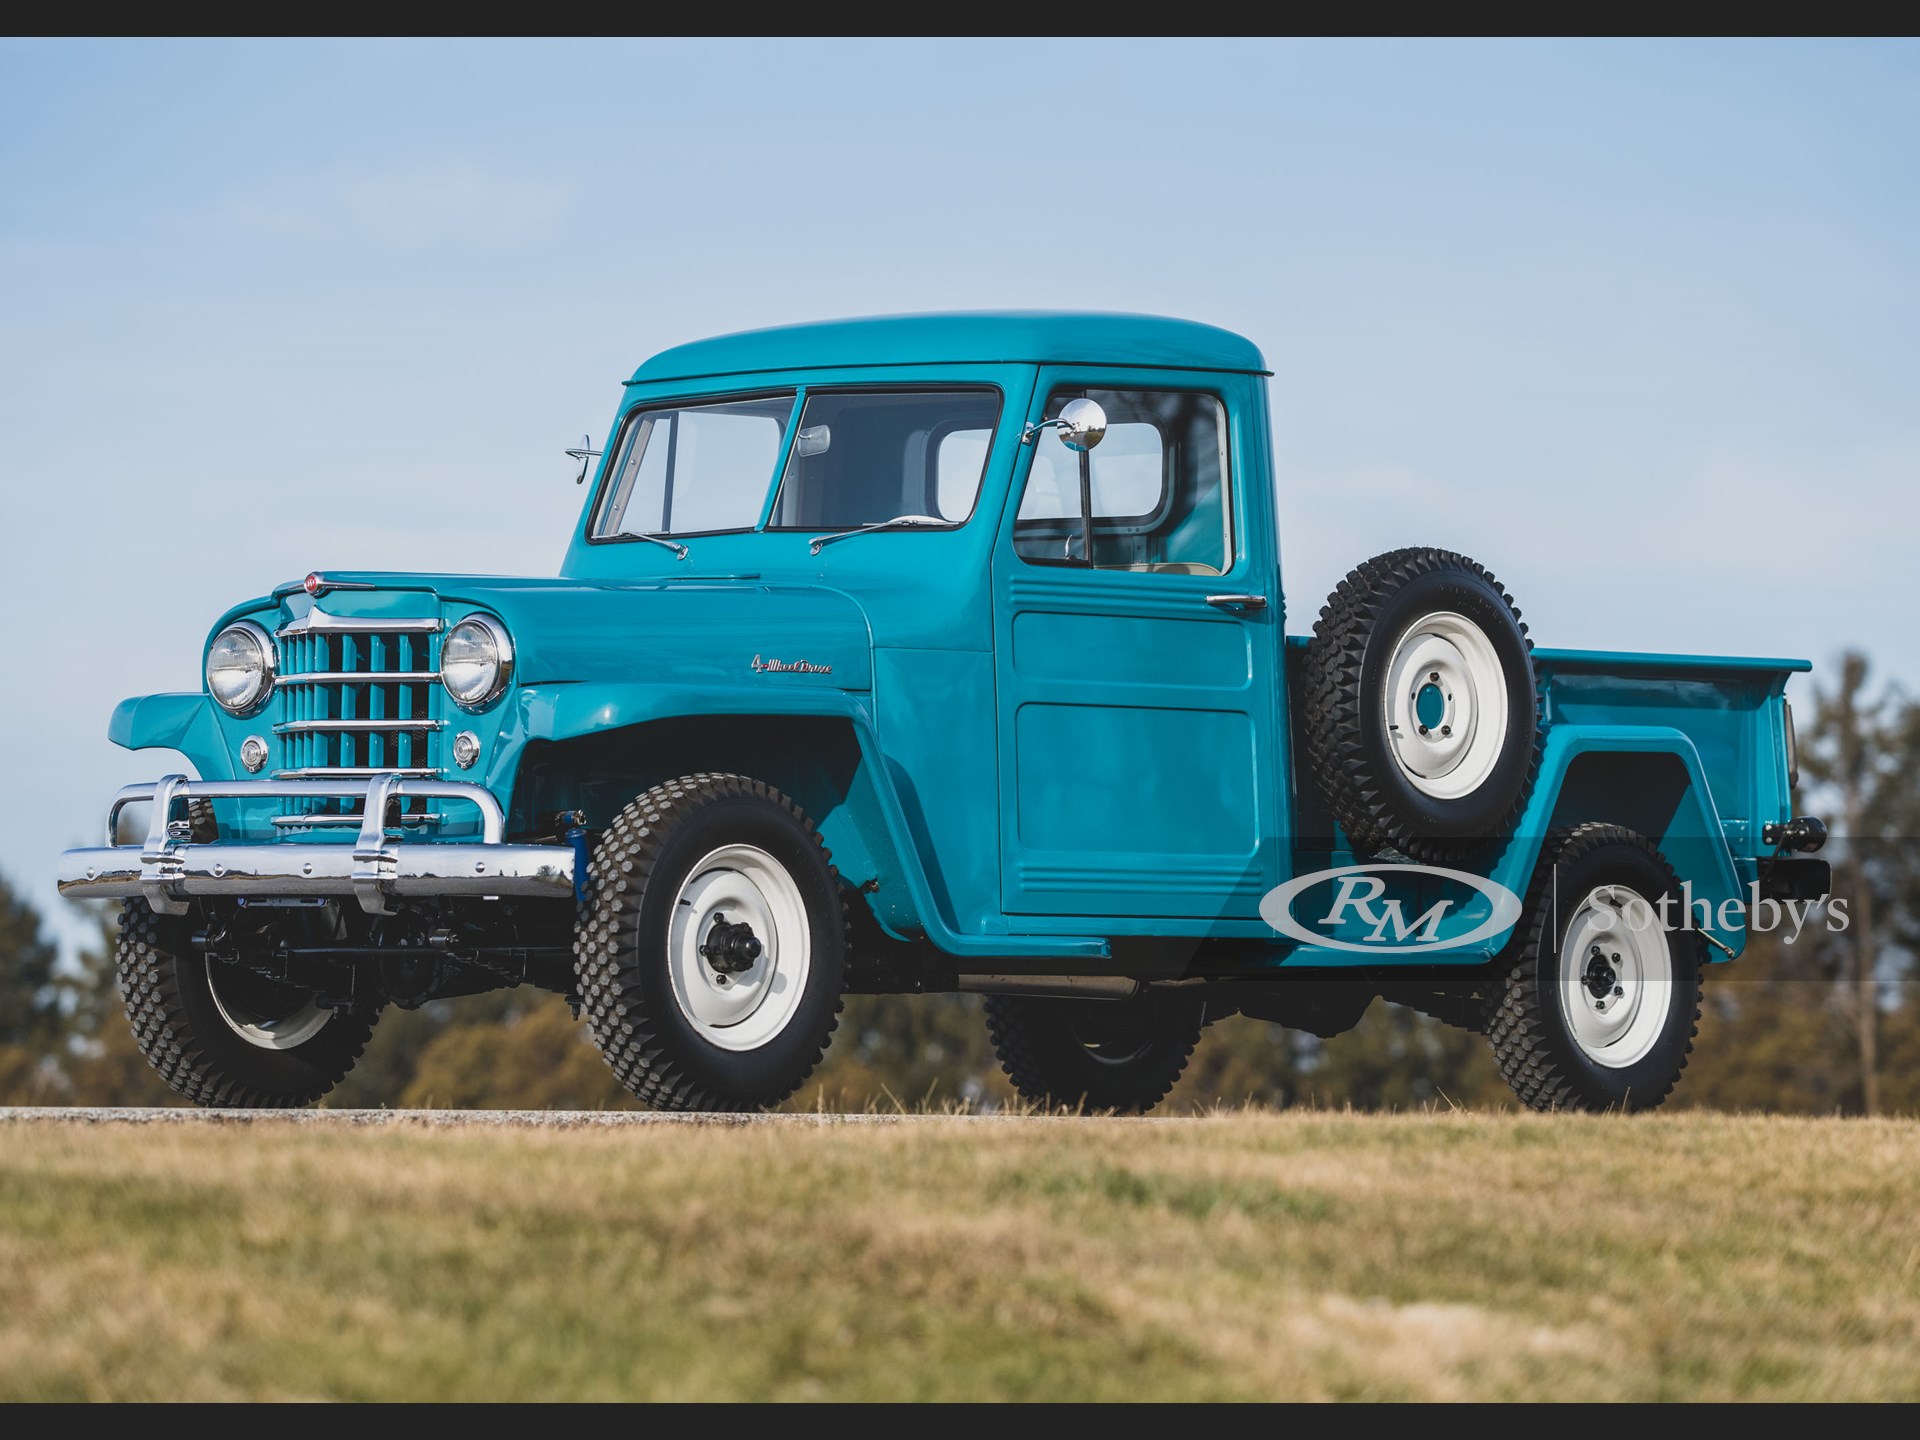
{"type": "Point", "coordinates": [1648, 779]}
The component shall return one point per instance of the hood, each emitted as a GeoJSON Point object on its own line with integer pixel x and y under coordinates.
{"type": "Point", "coordinates": [726, 630]}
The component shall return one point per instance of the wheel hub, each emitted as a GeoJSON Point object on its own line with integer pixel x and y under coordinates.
{"type": "Point", "coordinates": [730, 949]}
{"type": "Point", "coordinates": [1601, 977]}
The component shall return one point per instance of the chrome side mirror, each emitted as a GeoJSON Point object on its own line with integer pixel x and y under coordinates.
{"type": "Point", "coordinates": [586, 455]}
{"type": "Point", "coordinates": [1082, 425]}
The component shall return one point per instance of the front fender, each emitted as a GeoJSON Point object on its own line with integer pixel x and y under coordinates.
{"type": "Point", "coordinates": [149, 722]}
{"type": "Point", "coordinates": [871, 823]}
{"type": "Point", "coordinates": [185, 722]}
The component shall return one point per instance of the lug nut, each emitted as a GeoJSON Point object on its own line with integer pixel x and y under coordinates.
{"type": "Point", "coordinates": [1619, 990]}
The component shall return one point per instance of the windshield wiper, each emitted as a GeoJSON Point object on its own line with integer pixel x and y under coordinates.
{"type": "Point", "coordinates": [679, 550]}
{"type": "Point", "coordinates": [898, 522]}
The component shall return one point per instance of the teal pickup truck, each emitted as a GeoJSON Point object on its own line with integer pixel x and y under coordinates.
{"type": "Point", "coordinates": [930, 654]}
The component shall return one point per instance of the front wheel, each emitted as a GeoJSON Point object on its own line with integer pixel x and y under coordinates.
{"type": "Point", "coordinates": [222, 1034]}
{"type": "Point", "coordinates": [711, 951]}
{"type": "Point", "coordinates": [1121, 1055]}
{"type": "Point", "coordinates": [1600, 1004]}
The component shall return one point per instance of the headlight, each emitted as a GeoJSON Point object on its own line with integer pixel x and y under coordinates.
{"type": "Point", "coordinates": [476, 662]}
{"type": "Point", "coordinates": [240, 668]}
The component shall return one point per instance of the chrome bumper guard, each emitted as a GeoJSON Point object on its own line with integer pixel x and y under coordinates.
{"type": "Point", "coordinates": [168, 868]}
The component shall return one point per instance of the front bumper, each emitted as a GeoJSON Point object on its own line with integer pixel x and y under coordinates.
{"type": "Point", "coordinates": [169, 868]}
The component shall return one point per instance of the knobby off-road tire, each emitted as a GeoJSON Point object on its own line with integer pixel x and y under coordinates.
{"type": "Point", "coordinates": [1121, 1055]}
{"type": "Point", "coordinates": [221, 1035]}
{"type": "Point", "coordinates": [1421, 710]}
{"type": "Point", "coordinates": [1567, 1037]}
{"type": "Point", "coordinates": [684, 860]}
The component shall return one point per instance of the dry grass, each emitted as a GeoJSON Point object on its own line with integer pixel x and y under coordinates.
{"type": "Point", "coordinates": [1240, 1256]}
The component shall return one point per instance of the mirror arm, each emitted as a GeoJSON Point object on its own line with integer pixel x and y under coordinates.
{"type": "Point", "coordinates": [583, 452]}
{"type": "Point", "coordinates": [1034, 431]}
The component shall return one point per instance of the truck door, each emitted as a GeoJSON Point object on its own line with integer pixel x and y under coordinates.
{"type": "Point", "coordinates": [1137, 659]}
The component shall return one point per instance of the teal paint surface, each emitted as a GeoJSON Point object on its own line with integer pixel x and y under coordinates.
{"type": "Point", "coordinates": [1032, 337]}
{"type": "Point", "coordinates": [1430, 704]}
{"type": "Point", "coordinates": [1047, 757]}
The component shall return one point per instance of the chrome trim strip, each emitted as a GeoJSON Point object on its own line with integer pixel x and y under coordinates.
{"type": "Point", "coordinates": [315, 621]}
{"type": "Point", "coordinates": [363, 677]}
{"type": "Point", "coordinates": [302, 727]}
{"type": "Point", "coordinates": [352, 772]}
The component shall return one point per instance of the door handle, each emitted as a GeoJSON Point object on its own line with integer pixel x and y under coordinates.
{"type": "Point", "coordinates": [1238, 602]}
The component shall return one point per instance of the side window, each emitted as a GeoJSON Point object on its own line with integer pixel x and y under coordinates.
{"type": "Point", "coordinates": [1156, 488]}
{"type": "Point", "coordinates": [957, 466]}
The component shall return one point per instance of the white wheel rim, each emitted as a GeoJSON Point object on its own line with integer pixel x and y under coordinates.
{"type": "Point", "coordinates": [1616, 977]}
{"type": "Point", "coordinates": [1446, 706]}
{"type": "Point", "coordinates": [268, 1032]}
{"type": "Point", "coordinates": [739, 1009]}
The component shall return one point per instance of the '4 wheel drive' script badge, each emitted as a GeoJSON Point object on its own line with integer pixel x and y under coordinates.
{"type": "Point", "coordinates": [1351, 909]}
{"type": "Point", "coordinates": [789, 667]}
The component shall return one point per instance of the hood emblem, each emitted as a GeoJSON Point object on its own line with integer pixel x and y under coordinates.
{"type": "Point", "coordinates": [317, 585]}
{"type": "Point", "coordinates": [788, 667]}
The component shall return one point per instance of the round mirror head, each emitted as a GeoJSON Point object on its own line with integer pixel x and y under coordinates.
{"type": "Point", "coordinates": [1083, 424]}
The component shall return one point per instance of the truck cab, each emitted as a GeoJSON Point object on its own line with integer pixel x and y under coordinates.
{"type": "Point", "coordinates": [940, 653]}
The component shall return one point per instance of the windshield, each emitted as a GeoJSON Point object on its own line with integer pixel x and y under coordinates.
{"type": "Point", "coordinates": [861, 457]}
{"type": "Point", "coordinates": [695, 469]}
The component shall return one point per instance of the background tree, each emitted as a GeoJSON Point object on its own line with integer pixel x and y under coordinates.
{"type": "Point", "coordinates": [1848, 756]}
{"type": "Point", "coordinates": [1862, 759]}
{"type": "Point", "coordinates": [32, 1023]}
{"type": "Point", "coordinates": [536, 1058]}
{"type": "Point", "coordinates": [30, 991]}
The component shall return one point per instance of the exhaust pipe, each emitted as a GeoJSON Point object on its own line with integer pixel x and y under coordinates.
{"type": "Point", "coordinates": [1066, 987]}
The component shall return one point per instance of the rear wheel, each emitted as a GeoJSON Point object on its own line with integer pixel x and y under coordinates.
{"type": "Point", "coordinates": [1601, 1001]}
{"type": "Point", "coordinates": [221, 1034]}
{"type": "Point", "coordinates": [1121, 1055]}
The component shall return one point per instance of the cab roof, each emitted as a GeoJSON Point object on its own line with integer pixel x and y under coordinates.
{"type": "Point", "coordinates": [1045, 337]}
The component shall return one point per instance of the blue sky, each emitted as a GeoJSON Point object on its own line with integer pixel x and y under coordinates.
{"type": "Point", "coordinates": [1633, 324]}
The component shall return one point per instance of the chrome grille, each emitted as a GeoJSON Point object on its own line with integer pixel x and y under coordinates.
{"type": "Point", "coordinates": [357, 697]}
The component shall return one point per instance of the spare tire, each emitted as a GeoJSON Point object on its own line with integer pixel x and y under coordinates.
{"type": "Point", "coordinates": [1420, 708]}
